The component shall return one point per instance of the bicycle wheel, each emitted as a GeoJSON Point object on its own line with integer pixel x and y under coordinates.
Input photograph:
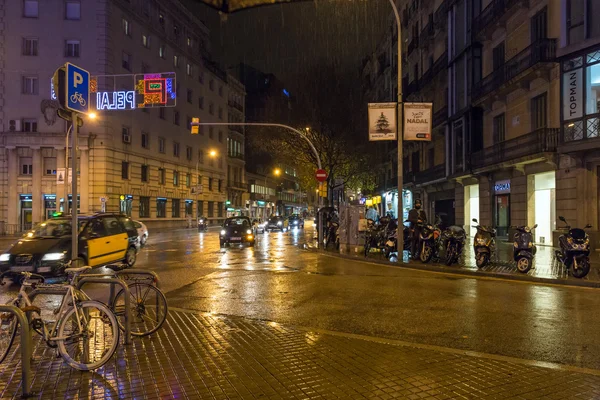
{"type": "Point", "coordinates": [8, 331]}
{"type": "Point", "coordinates": [148, 308]}
{"type": "Point", "coordinates": [91, 346]}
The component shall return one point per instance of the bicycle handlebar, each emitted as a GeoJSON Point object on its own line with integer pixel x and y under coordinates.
{"type": "Point", "coordinates": [27, 275]}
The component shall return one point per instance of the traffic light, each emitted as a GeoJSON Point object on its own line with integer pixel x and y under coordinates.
{"type": "Point", "coordinates": [195, 122]}
{"type": "Point", "coordinates": [58, 85]}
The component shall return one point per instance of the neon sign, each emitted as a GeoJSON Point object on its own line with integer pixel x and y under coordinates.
{"type": "Point", "coordinates": [115, 100]}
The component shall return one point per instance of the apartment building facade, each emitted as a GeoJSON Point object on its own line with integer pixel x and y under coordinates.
{"type": "Point", "coordinates": [143, 162]}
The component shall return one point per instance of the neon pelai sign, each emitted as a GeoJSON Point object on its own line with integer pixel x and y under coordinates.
{"type": "Point", "coordinates": [122, 100]}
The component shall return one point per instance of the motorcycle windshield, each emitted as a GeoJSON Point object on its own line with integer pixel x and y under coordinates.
{"type": "Point", "coordinates": [577, 234]}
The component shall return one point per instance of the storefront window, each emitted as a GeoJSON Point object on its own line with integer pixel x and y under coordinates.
{"type": "Point", "coordinates": [144, 207]}
{"type": "Point", "coordinates": [161, 208]}
{"type": "Point", "coordinates": [592, 89]}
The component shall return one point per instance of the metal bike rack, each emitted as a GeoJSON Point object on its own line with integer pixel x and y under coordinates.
{"type": "Point", "coordinates": [150, 275]}
{"type": "Point", "coordinates": [26, 347]}
{"type": "Point", "coordinates": [97, 278]}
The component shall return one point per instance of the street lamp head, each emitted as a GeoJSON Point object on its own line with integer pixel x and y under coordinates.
{"type": "Point", "coordinates": [92, 115]}
{"type": "Point", "coordinates": [307, 128]}
{"type": "Point", "coordinates": [212, 153]}
{"type": "Point", "coordinates": [277, 171]}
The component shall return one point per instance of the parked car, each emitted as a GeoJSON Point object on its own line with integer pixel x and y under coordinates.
{"type": "Point", "coordinates": [104, 239]}
{"type": "Point", "coordinates": [277, 224]}
{"type": "Point", "coordinates": [296, 221]}
{"type": "Point", "coordinates": [259, 226]}
{"type": "Point", "coordinates": [237, 230]}
{"type": "Point", "coordinates": [142, 231]}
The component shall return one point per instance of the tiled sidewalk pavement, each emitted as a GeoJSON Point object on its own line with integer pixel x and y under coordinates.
{"type": "Point", "coordinates": [201, 356]}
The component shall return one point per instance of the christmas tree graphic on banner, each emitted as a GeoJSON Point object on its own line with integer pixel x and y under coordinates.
{"type": "Point", "coordinates": [382, 123]}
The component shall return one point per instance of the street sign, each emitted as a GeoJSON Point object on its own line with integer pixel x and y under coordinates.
{"type": "Point", "coordinates": [103, 199]}
{"type": "Point", "coordinates": [197, 189]}
{"type": "Point", "coordinates": [77, 89]}
{"type": "Point", "coordinates": [60, 176]}
{"type": "Point", "coordinates": [321, 175]}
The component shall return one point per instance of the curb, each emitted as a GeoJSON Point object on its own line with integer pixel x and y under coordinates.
{"type": "Point", "coordinates": [462, 272]}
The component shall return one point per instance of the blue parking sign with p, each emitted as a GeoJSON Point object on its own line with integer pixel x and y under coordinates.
{"type": "Point", "coordinates": [78, 88]}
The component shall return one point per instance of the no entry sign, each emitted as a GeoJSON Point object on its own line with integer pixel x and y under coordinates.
{"type": "Point", "coordinates": [321, 175]}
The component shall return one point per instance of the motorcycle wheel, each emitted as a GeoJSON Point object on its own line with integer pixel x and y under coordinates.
{"type": "Point", "coordinates": [481, 260]}
{"type": "Point", "coordinates": [367, 247]}
{"type": "Point", "coordinates": [523, 264]}
{"type": "Point", "coordinates": [450, 256]}
{"type": "Point", "coordinates": [583, 268]}
{"type": "Point", "coordinates": [426, 254]}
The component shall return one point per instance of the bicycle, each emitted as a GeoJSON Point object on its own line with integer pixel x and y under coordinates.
{"type": "Point", "coordinates": [78, 98]}
{"type": "Point", "coordinates": [148, 306]}
{"type": "Point", "coordinates": [85, 334]}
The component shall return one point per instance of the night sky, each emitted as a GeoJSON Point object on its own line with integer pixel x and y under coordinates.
{"type": "Point", "coordinates": [290, 39]}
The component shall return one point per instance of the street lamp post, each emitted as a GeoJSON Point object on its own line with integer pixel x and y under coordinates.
{"type": "Point", "coordinates": [211, 154]}
{"type": "Point", "coordinates": [302, 135]}
{"type": "Point", "coordinates": [400, 235]}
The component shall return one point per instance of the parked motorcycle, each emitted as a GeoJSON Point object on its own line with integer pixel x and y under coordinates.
{"type": "Point", "coordinates": [523, 247]}
{"type": "Point", "coordinates": [202, 225]}
{"type": "Point", "coordinates": [429, 239]}
{"type": "Point", "coordinates": [574, 250]}
{"type": "Point", "coordinates": [332, 235]}
{"type": "Point", "coordinates": [390, 238]}
{"type": "Point", "coordinates": [453, 241]}
{"type": "Point", "coordinates": [484, 244]}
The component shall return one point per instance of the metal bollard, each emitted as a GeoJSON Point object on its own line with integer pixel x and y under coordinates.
{"type": "Point", "coordinates": [26, 347]}
{"type": "Point", "coordinates": [112, 282]}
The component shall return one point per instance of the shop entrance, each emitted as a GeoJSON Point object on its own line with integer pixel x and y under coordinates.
{"type": "Point", "coordinates": [445, 210]}
{"type": "Point", "coordinates": [502, 214]}
{"type": "Point", "coordinates": [471, 207]}
{"type": "Point", "coordinates": [545, 209]}
{"type": "Point", "coordinates": [49, 205]}
{"type": "Point", "coordinates": [25, 220]}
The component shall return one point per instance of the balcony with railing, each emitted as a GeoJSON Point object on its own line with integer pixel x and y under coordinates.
{"type": "Point", "coordinates": [236, 105]}
{"type": "Point", "coordinates": [441, 64]}
{"type": "Point", "coordinates": [521, 67]}
{"type": "Point", "coordinates": [237, 185]}
{"type": "Point", "coordinates": [432, 174]}
{"type": "Point", "coordinates": [237, 128]}
{"type": "Point", "coordinates": [237, 156]}
{"type": "Point", "coordinates": [440, 116]}
{"type": "Point", "coordinates": [496, 13]}
{"type": "Point", "coordinates": [523, 148]}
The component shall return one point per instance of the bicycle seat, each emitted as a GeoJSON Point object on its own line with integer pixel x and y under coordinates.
{"type": "Point", "coordinates": [78, 269]}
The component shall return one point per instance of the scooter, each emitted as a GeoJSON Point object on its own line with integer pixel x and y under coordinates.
{"type": "Point", "coordinates": [453, 241]}
{"type": "Point", "coordinates": [202, 225]}
{"type": "Point", "coordinates": [574, 250]}
{"type": "Point", "coordinates": [484, 244]}
{"type": "Point", "coordinates": [523, 248]}
{"type": "Point", "coordinates": [429, 241]}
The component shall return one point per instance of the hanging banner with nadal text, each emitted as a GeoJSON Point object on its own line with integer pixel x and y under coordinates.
{"type": "Point", "coordinates": [383, 124]}
{"type": "Point", "coordinates": [417, 121]}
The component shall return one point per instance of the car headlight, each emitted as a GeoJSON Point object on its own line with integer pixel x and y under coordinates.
{"type": "Point", "coordinates": [201, 221]}
{"type": "Point", "coordinates": [223, 232]}
{"type": "Point", "coordinates": [5, 257]}
{"type": "Point", "coordinates": [53, 256]}
{"type": "Point", "coordinates": [249, 232]}
{"type": "Point", "coordinates": [279, 223]}
{"type": "Point", "coordinates": [295, 222]}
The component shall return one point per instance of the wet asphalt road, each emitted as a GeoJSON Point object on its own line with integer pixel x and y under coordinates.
{"type": "Point", "coordinates": [279, 281]}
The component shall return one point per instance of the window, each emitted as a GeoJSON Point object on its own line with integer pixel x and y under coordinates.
{"type": "Point", "coordinates": [125, 132]}
{"type": "Point", "coordinates": [221, 91]}
{"type": "Point", "coordinates": [146, 41]}
{"type": "Point", "coordinates": [175, 178]}
{"type": "Point", "coordinates": [161, 113]}
{"type": "Point", "coordinates": [161, 176]}
{"type": "Point", "coordinates": [145, 140]}
{"type": "Point", "coordinates": [190, 94]}
{"type": "Point", "coordinates": [145, 173]}
{"type": "Point", "coordinates": [539, 25]}
{"type": "Point", "coordinates": [126, 27]}
{"type": "Point", "coordinates": [201, 76]}
{"type": "Point", "coordinates": [124, 170]}
{"type": "Point", "coordinates": [498, 56]}
{"type": "Point", "coordinates": [220, 136]}
{"type": "Point", "coordinates": [30, 46]}
{"type": "Point", "coordinates": [126, 61]}
{"type": "Point", "coordinates": [30, 8]}
{"type": "Point", "coordinates": [211, 132]}
{"type": "Point", "coordinates": [144, 207]}
{"type": "Point", "coordinates": [29, 125]}
{"type": "Point", "coordinates": [175, 207]}
{"type": "Point", "coordinates": [176, 149]}
{"type": "Point", "coordinates": [146, 7]}
{"type": "Point", "coordinates": [211, 209]}
{"type": "Point", "coordinates": [161, 20]}
{"type": "Point", "coordinates": [202, 130]}
{"type": "Point", "coordinates": [211, 85]}
{"type": "Point", "coordinates": [176, 117]}
{"type": "Point", "coordinates": [499, 128]}
{"type": "Point", "coordinates": [49, 165]}
{"type": "Point", "coordinates": [200, 207]}
{"type": "Point", "coordinates": [176, 31]}
{"type": "Point", "coordinates": [188, 153]}
{"type": "Point", "coordinates": [220, 209]}
{"type": "Point", "coordinates": [539, 116]}
{"type": "Point", "coordinates": [73, 10]}
{"type": "Point", "coordinates": [72, 48]}
{"type": "Point", "coordinates": [201, 102]}
{"type": "Point", "coordinates": [575, 18]}
{"type": "Point", "coordinates": [162, 51]}
{"type": "Point", "coordinates": [211, 109]}
{"type": "Point", "coordinates": [201, 156]}
{"type": "Point", "coordinates": [176, 61]}
{"type": "Point", "coordinates": [29, 85]}
{"type": "Point", "coordinates": [220, 113]}
{"type": "Point", "coordinates": [220, 164]}
{"type": "Point", "coordinates": [161, 145]}
{"type": "Point", "coordinates": [188, 180]}
{"type": "Point", "coordinates": [210, 184]}
{"type": "Point", "coordinates": [26, 165]}
{"type": "Point", "coordinates": [161, 208]}
{"type": "Point", "coordinates": [190, 42]}
{"type": "Point", "coordinates": [188, 69]}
